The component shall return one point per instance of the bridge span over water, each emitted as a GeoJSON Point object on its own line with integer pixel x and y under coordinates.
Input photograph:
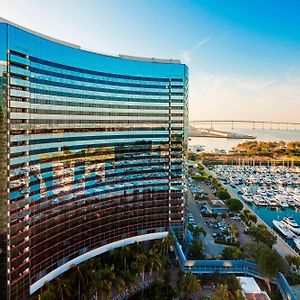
{"type": "Point", "coordinates": [254, 124]}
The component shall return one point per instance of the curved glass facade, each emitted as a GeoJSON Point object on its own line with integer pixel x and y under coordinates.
{"type": "Point", "coordinates": [92, 146]}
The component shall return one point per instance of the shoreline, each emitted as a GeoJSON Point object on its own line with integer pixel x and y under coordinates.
{"type": "Point", "coordinates": [224, 137]}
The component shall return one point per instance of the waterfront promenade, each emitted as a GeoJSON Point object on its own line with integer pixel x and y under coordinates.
{"type": "Point", "coordinates": [280, 246]}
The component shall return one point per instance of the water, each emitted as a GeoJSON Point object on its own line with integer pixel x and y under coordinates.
{"type": "Point", "coordinates": [261, 135]}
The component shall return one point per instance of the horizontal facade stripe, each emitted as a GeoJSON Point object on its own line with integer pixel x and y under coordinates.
{"type": "Point", "coordinates": [67, 105]}
{"type": "Point", "coordinates": [65, 72]}
{"type": "Point", "coordinates": [91, 72]}
{"type": "Point", "coordinates": [61, 85]}
{"type": "Point", "coordinates": [92, 135]}
{"type": "Point", "coordinates": [103, 118]}
{"type": "Point", "coordinates": [40, 89]}
{"type": "Point", "coordinates": [61, 77]}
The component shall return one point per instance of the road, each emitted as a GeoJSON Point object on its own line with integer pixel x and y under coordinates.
{"type": "Point", "coordinates": [211, 248]}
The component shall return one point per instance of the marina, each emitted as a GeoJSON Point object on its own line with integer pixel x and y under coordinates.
{"type": "Point", "coordinates": [273, 193]}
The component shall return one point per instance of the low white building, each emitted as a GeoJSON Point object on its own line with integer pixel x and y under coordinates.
{"type": "Point", "coordinates": [251, 290]}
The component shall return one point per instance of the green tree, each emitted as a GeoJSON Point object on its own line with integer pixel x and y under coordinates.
{"type": "Point", "coordinates": [234, 204]}
{"type": "Point", "coordinates": [269, 262]}
{"type": "Point", "coordinates": [125, 253]}
{"type": "Point", "coordinates": [77, 277]}
{"type": "Point", "coordinates": [189, 284]}
{"type": "Point", "coordinates": [96, 285]}
{"type": "Point", "coordinates": [262, 234]}
{"type": "Point", "coordinates": [130, 276]}
{"type": "Point", "coordinates": [108, 277]}
{"type": "Point", "coordinates": [198, 230]}
{"type": "Point", "coordinates": [223, 194]}
{"type": "Point", "coordinates": [238, 295]}
{"type": "Point", "coordinates": [234, 232]}
{"type": "Point", "coordinates": [63, 288]}
{"type": "Point", "coordinates": [47, 292]}
{"type": "Point", "coordinates": [294, 262]}
{"type": "Point", "coordinates": [154, 261]}
{"type": "Point", "coordinates": [232, 253]}
{"type": "Point", "coordinates": [221, 293]}
{"type": "Point", "coordinates": [196, 250]}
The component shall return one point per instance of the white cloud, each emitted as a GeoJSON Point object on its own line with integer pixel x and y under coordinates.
{"type": "Point", "coordinates": [214, 96]}
{"type": "Point", "coordinates": [186, 55]}
{"type": "Point", "coordinates": [290, 71]}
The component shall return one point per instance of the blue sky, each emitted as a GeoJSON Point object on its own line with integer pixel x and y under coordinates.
{"type": "Point", "coordinates": [244, 56]}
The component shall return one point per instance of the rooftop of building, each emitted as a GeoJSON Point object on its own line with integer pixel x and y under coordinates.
{"type": "Point", "coordinates": [251, 289]}
{"type": "Point", "coordinates": [68, 44]}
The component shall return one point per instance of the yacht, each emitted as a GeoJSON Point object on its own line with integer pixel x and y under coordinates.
{"type": "Point", "coordinates": [297, 243]}
{"type": "Point", "coordinates": [271, 202]}
{"type": "Point", "coordinates": [283, 203]}
{"type": "Point", "coordinates": [199, 148]}
{"type": "Point", "coordinates": [259, 201]}
{"type": "Point", "coordinates": [292, 225]}
{"type": "Point", "coordinates": [291, 202]}
{"type": "Point", "coordinates": [283, 229]}
{"type": "Point", "coordinates": [247, 199]}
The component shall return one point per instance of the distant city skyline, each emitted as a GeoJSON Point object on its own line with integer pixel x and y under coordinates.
{"type": "Point", "coordinates": [244, 57]}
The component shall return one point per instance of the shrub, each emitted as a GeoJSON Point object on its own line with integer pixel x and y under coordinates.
{"type": "Point", "coordinates": [234, 204]}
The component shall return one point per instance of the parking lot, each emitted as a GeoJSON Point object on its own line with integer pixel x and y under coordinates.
{"type": "Point", "coordinates": [216, 228]}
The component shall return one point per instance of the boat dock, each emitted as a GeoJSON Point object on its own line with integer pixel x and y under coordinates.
{"type": "Point", "coordinates": [281, 246]}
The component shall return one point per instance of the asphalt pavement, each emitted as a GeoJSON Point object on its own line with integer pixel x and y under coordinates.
{"type": "Point", "coordinates": [211, 248]}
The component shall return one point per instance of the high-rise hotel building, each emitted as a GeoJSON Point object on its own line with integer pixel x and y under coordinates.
{"type": "Point", "coordinates": [91, 154]}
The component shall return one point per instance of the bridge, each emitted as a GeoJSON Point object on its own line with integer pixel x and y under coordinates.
{"type": "Point", "coordinates": [281, 125]}
{"type": "Point", "coordinates": [237, 267]}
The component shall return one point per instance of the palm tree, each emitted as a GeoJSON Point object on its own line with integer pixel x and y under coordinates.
{"type": "Point", "coordinates": [234, 232]}
{"type": "Point", "coordinates": [119, 284]}
{"type": "Point", "coordinates": [138, 248]}
{"type": "Point", "coordinates": [169, 241]}
{"type": "Point", "coordinates": [113, 254]}
{"type": "Point", "coordinates": [142, 261]}
{"type": "Point", "coordinates": [77, 275]}
{"type": "Point", "coordinates": [87, 269]}
{"type": "Point", "coordinates": [154, 261]}
{"type": "Point", "coordinates": [238, 295]}
{"type": "Point", "coordinates": [199, 230]}
{"type": "Point", "coordinates": [124, 253]}
{"type": "Point", "coordinates": [47, 292]}
{"type": "Point", "coordinates": [62, 287]}
{"type": "Point", "coordinates": [130, 277]}
{"type": "Point", "coordinates": [96, 285]}
{"type": "Point", "coordinates": [108, 276]}
{"type": "Point", "coordinates": [164, 244]}
{"type": "Point", "coordinates": [221, 293]}
{"type": "Point", "coordinates": [189, 284]}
